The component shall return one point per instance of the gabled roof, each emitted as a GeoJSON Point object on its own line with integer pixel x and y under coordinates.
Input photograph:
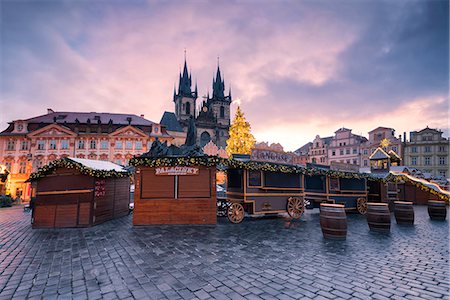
{"type": "Point", "coordinates": [303, 149]}
{"type": "Point", "coordinates": [380, 128]}
{"type": "Point", "coordinates": [379, 154]}
{"type": "Point", "coordinates": [342, 129]}
{"type": "Point", "coordinates": [327, 140]}
{"type": "Point", "coordinates": [169, 120]}
{"type": "Point", "coordinates": [82, 117]}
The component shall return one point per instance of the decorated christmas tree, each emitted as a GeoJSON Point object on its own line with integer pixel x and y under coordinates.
{"type": "Point", "coordinates": [241, 140]}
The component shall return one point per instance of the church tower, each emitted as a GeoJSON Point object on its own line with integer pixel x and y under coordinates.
{"type": "Point", "coordinates": [185, 99]}
{"type": "Point", "coordinates": [219, 103]}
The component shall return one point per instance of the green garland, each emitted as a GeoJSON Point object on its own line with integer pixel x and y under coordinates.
{"type": "Point", "coordinates": [394, 177]}
{"type": "Point", "coordinates": [224, 163]}
{"type": "Point", "coordinates": [70, 164]}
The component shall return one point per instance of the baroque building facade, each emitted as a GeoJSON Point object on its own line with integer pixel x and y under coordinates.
{"type": "Point", "coordinates": [31, 143]}
{"type": "Point", "coordinates": [212, 115]}
{"type": "Point", "coordinates": [376, 137]}
{"type": "Point", "coordinates": [345, 147]}
{"type": "Point", "coordinates": [428, 151]}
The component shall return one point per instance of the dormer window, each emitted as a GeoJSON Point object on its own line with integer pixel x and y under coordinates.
{"type": "Point", "coordinates": [156, 129]}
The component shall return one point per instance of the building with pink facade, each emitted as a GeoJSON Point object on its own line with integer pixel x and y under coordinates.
{"type": "Point", "coordinates": [31, 143]}
{"type": "Point", "coordinates": [345, 147]}
{"type": "Point", "coordinates": [376, 136]}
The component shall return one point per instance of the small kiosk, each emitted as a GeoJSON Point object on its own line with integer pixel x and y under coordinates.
{"type": "Point", "coordinates": [74, 192]}
{"type": "Point", "coordinates": [175, 185]}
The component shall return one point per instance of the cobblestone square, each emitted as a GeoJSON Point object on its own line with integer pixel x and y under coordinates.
{"type": "Point", "coordinates": [261, 258]}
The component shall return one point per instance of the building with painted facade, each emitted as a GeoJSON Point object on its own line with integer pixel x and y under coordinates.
{"type": "Point", "coordinates": [376, 137]}
{"type": "Point", "coordinates": [31, 143]}
{"type": "Point", "coordinates": [345, 147]}
{"type": "Point", "coordinates": [428, 151]}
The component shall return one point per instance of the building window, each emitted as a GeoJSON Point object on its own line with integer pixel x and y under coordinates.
{"type": "Point", "coordinates": [138, 145]}
{"type": "Point", "coordinates": [104, 145]}
{"type": "Point", "coordinates": [222, 112]}
{"type": "Point", "coordinates": [128, 145]}
{"type": "Point", "coordinates": [348, 161]}
{"type": "Point", "coordinates": [427, 149]}
{"type": "Point", "coordinates": [24, 145]}
{"type": "Point", "coordinates": [64, 144]}
{"type": "Point", "coordinates": [81, 144]}
{"type": "Point", "coordinates": [414, 161]}
{"type": "Point", "coordinates": [414, 149]}
{"type": "Point", "coordinates": [394, 149]}
{"type": "Point", "coordinates": [119, 145]}
{"type": "Point", "coordinates": [355, 162]}
{"type": "Point", "coordinates": [22, 167]}
{"type": "Point", "coordinates": [442, 173]}
{"type": "Point", "coordinates": [11, 145]}
{"type": "Point", "coordinates": [188, 108]}
{"type": "Point", "coordinates": [52, 145]}
{"type": "Point", "coordinates": [441, 148]}
{"type": "Point", "coordinates": [333, 153]}
{"type": "Point", "coordinates": [365, 163]}
{"type": "Point", "coordinates": [8, 166]}
{"type": "Point", "coordinates": [39, 163]}
{"type": "Point", "coordinates": [41, 145]}
{"type": "Point", "coordinates": [427, 161]}
{"type": "Point", "coordinates": [341, 152]}
{"type": "Point", "coordinates": [355, 151]}
{"type": "Point", "coordinates": [317, 144]}
{"type": "Point", "coordinates": [366, 152]}
{"type": "Point", "coordinates": [93, 144]}
{"type": "Point", "coordinates": [347, 151]}
{"type": "Point", "coordinates": [442, 160]}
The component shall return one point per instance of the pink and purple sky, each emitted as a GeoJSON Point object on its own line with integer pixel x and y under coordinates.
{"type": "Point", "coordinates": [297, 68]}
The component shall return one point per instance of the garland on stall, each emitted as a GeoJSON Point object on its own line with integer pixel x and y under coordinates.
{"type": "Point", "coordinates": [399, 177]}
{"type": "Point", "coordinates": [225, 163]}
{"type": "Point", "coordinates": [70, 164]}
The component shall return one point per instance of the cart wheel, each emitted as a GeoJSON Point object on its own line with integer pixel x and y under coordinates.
{"type": "Point", "coordinates": [295, 207]}
{"type": "Point", "coordinates": [235, 213]}
{"type": "Point", "coordinates": [361, 205]}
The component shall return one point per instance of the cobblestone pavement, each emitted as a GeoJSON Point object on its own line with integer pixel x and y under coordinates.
{"type": "Point", "coordinates": [262, 258]}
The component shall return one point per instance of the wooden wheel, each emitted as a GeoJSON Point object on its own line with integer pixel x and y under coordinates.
{"type": "Point", "coordinates": [361, 205]}
{"type": "Point", "coordinates": [235, 213]}
{"type": "Point", "coordinates": [295, 207]}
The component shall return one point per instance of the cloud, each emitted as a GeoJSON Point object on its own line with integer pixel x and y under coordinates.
{"type": "Point", "coordinates": [297, 70]}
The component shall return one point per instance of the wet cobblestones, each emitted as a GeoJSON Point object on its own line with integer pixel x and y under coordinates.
{"type": "Point", "coordinates": [262, 258]}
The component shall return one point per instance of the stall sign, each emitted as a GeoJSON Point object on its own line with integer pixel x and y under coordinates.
{"type": "Point", "coordinates": [99, 190]}
{"type": "Point", "coordinates": [272, 156]}
{"type": "Point", "coordinates": [178, 171]}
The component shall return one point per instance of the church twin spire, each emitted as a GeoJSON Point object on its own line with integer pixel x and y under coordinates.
{"type": "Point", "coordinates": [185, 84]}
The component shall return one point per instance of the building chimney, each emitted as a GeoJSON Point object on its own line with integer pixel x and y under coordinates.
{"type": "Point", "coordinates": [142, 115]}
{"type": "Point", "coordinates": [49, 111]}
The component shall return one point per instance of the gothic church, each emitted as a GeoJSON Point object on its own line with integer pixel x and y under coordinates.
{"type": "Point", "coordinates": [212, 116]}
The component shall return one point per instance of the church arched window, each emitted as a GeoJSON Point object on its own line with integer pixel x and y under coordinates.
{"type": "Point", "coordinates": [222, 112]}
{"type": "Point", "coordinates": [188, 108]}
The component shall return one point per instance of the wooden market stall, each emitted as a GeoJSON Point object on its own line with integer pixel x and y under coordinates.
{"type": "Point", "coordinates": [74, 192]}
{"type": "Point", "coordinates": [175, 190]}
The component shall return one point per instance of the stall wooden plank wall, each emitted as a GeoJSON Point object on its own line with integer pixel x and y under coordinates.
{"type": "Point", "coordinates": [66, 199]}
{"type": "Point", "coordinates": [155, 201]}
{"type": "Point", "coordinates": [409, 192]}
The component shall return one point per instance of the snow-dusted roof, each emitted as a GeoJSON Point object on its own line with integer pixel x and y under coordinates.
{"type": "Point", "coordinates": [99, 164]}
{"type": "Point", "coordinates": [379, 154]}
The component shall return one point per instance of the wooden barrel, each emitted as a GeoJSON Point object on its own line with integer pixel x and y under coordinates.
{"type": "Point", "coordinates": [333, 221]}
{"type": "Point", "coordinates": [437, 210]}
{"type": "Point", "coordinates": [404, 212]}
{"type": "Point", "coordinates": [379, 217]}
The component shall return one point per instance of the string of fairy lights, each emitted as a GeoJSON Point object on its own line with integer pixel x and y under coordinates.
{"type": "Point", "coordinates": [224, 164]}
{"type": "Point", "coordinates": [70, 164]}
